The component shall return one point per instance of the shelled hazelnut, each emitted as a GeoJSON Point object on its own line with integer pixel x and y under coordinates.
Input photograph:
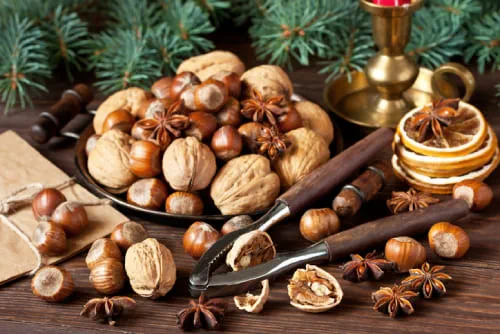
{"type": "Point", "coordinates": [231, 80]}
{"type": "Point", "coordinates": [210, 96]}
{"type": "Point", "coordinates": [108, 276]}
{"type": "Point", "coordinates": [249, 133]}
{"type": "Point", "coordinates": [120, 119]}
{"type": "Point", "coordinates": [478, 195]}
{"type": "Point", "coordinates": [405, 252]}
{"type": "Point", "coordinates": [143, 129]}
{"type": "Point", "coordinates": [127, 234]}
{"type": "Point", "coordinates": [145, 159]}
{"type": "Point", "coordinates": [72, 217]}
{"type": "Point", "coordinates": [226, 143]}
{"type": "Point", "coordinates": [52, 284]}
{"type": "Point", "coordinates": [448, 240]}
{"type": "Point", "coordinates": [182, 81]}
{"type": "Point", "coordinates": [161, 87]}
{"type": "Point", "coordinates": [202, 125]}
{"type": "Point", "coordinates": [102, 249]}
{"type": "Point", "coordinates": [49, 238]}
{"type": "Point", "coordinates": [45, 202]}
{"type": "Point", "coordinates": [230, 113]}
{"type": "Point", "coordinates": [198, 238]}
{"type": "Point", "coordinates": [150, 106]}
{"type": "Point", "coordinates": [290, 120]}
{"type": "Point", "coordinates": [317, 224]}
{"type": "Point", "coordinates": [147, 193]}
{"type": "Point", "coordinates": [184, 203]}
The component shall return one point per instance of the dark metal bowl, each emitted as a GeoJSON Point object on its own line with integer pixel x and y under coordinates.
{"type": "Point", "coordinates": [212, 213]}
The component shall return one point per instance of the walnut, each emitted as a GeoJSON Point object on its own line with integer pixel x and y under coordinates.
{"type": "Point", "coordinates": [130, 99]}
{"type": "Point", "coordinates": [253, 303]}
{"type": "Point", "coordinates": [314, 290]}
{"type": "Point", "coordinates": [251, 249]}
{"type": "Point", "coordinates": [245, 184]}
{"type": "Point", "coordinates": [108, 162]}
{"type": "Point", "coordinates": [150, 268]}
{"type": "Point", "coordinates": [188, 164]}
{"type": "Point", "coordinates": [307, 151]}
{"type": "Point", "coordinates": [208, 64]}
{"type": "Point", "coordinates": [316, 119]}
{"type": "Point", "coordinates": [268, 80]}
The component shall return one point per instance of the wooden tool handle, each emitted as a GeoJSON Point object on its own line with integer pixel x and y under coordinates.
{"type": "Point", "coordinates": [323, 179]}
{"type": "Point", "coordinates": [368, 236]}
{"type": "Point", "coordinates": [72, 102]}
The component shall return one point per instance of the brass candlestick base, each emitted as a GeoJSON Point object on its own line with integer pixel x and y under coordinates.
{"type": "Point", "coordinates": [389, 87]}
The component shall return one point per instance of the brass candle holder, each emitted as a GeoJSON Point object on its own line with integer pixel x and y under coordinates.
{"type": "Point", "coordinates": [392, 83]}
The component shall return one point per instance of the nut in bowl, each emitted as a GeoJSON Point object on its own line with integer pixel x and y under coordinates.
{"type": "Point", "coordinates": [199, 136]}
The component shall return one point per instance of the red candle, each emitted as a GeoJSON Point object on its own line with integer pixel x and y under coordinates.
{"type": "Point", "coordinates": [392, 2]}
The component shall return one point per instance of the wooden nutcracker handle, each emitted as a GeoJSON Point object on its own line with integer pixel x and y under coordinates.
{"type": "Point", "coordinates": [322, 180]}
{"type": "Point", "coordinates": [49, 124]}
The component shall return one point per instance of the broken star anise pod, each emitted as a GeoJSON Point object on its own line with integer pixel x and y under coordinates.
{"type": "Point", "coordinates": [409, 201]}
{"type": "Point", "coordinates": [427, 280]}
{"type": "Point", "coordinates": [272, 143]}
{"type": "Point", "coordinates": [261, 110]}
{"type": "Point", "coordinates": [107, 309]}
{"type": "Point", "coordinates": [395, 300]}
{"type": "Point", "coordinates": [361, 269]}
{"type": "Point", "coordinates": [431, 119]}
{"type": "Point", "coordinates": [202, 313]}
{"type": "Point", "coordinates": [166, 124]}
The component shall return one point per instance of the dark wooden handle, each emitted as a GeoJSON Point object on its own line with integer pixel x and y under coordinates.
{"type": "Point", "coordinates": [323, 179]}
{"type": "Point", "coordinates": [368, 236]}
{"type": "Point", "coordinates": [72, 102]}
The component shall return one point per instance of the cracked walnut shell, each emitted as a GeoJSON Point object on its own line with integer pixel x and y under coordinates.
{"type": "Point", "coordinates": [314, 290]}
{"type": "Point", "coordinates": [245, 184]}
{"type": "Point", "coordinates": [253, 303]}
{"type": "Point", "coordinates": [150, 268]}
{"type": "Point", "coordinates": [130, 99]}
{"type": "Point", "coordinates": [251, 249]}
{"type": "Point", "coordinates": [188, 164]}
{"type": "Point", "coordinates": [307, 151]}
{"type": "Point", "coordinates": [316, 119]}
{"type": "Point", "coordinates": [209, 64]}
{"type": "Point", "coordinates": [108, 162]}
{"type": "Point", "coordinates": [268, 80]}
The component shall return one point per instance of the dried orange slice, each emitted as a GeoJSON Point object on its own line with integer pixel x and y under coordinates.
{"type": "Point", "coordinates": [441, 185]}
{"type": "Point", "coordinates": [464, 134]}
{"type": "Point", "coordinates": [447, 166]}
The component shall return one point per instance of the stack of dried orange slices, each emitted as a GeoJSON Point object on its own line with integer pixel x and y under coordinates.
{"type": "Point", "coordinates": [443, 143]}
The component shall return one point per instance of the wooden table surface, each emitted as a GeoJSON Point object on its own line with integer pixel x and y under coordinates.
{"type": "Point", "coordinates": [472, 303]}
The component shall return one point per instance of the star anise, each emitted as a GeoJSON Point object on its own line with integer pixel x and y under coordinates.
{"type": "Point", "coordinates": [260, 110]}
{"type": "Point", "coordinates": [427, 280]}
{"type": "Point", "coordinates": [166, 124]}
{"type": "Point", "coordinates": [272, 143]}
{"type": "Point", "coordinates": [431, 119]}
{"type": "Point", "coordinates": [409, 201]}
{"type": "Point", "coordinates": [361, 269]}
{"type": "Point", "coordinates": [202, 313]}
{"type": "Point", "coordinates": [107, 309]}
{"type": "Point", "coordinates": [395, 300]}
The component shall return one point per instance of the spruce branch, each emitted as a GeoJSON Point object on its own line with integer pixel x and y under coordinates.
{"type": "Point", "coordinates": [484, 42]}
{"type": "Point", "coordinates": [245, 10]}
{"type": "Point", "coordinates": [137, 15]}
{"type": "Point", "coordinates": [24, 61]}
{"type": "Point", "coordinates": [218, 9]}
{"type": "Point", "coordinates": [459, 11]}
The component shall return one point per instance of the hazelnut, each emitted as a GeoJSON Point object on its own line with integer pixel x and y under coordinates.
{"type": "Point", "coordinates": [210, 96]}
{"type": "Point", "coordinates": [289, 121]}
{"type": "Point", "coordinates": [102, 249]}
{"type": "Point", "coordinates": [45, 202]}
{"type": "Point", "coordinates": [143, 129]}
{"type": "Point", "coordinates": [149, 107]}
{"type": "Point", "coordinates": [161, 87]}
{"type": "Point", "coordinates": [188, 164]}
{"type": "Point", "coordinates": [317, 224]}
{"type": "Point", "coordinates": [249, 133]}
{"type": "Point", "coordinates": [127, 234]}
{"type": "Point", "coordinates": [145, 159]}
{"type": "Point", "coordinates": [90, 143]}
{"type": "Point", "coordinates": [108, 276]}
{"type": "Point", "coordinates": [407, 253]}
{"type": "Point", "coordinates": [187, 96]}
{"type": "Point", "coordinates": [226, 143]}
{"type": "Point", "coordinates": [231, 80]}
{"type": "Point", "coordinates": [230, 114]}
{"type": "Point", "coordinates": [202, 125]}
{"type": "Point", "coordinates": [52, 284]}
{"type": "Point", "coordinates": [184, 203]}
{"type": "Point", "coordinates": [315, 118]}
{"type": "Point", "coordinates": [448, 240]}
{"type": "Point", "coordinates": [236, 223]}
{"type": "Point", "coordinates": [72, 217]}
{"type": "Point", "coordinates": [50, 239]}
{"type": "Point", "coordinates": [150, 268]}
{"type": "Point", "coordinates": [199, 237]}
{"type": "Point", "coordinates": [182, 81]}
{"type": "Point", "coordinates": [147, 194]}
{"type": "Point", "coordinates": [478, 195]}
{"type": "Point", "coordinates": [211, 63]}
{"type": "Point", "coordinates": [120, 119]}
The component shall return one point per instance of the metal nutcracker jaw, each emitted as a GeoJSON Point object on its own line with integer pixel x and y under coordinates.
{"type": "Point", "coordinates": [200, 279]}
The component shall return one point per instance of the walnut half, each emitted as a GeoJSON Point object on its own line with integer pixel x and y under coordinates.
{"type": "Point", "coordinates": [251, 249]}
{"type": "Point", "coordinates": [314, 290]}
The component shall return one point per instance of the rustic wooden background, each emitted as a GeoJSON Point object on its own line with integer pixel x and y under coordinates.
{"type": "Point", "coordinates": [471, 305]}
